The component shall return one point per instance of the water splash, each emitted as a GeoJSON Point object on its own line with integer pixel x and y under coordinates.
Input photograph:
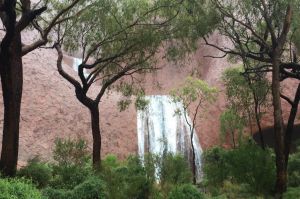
{"type": "Point", "coordinates": [160, 129]}
{"type": "Point", "coordinates": [76, 63]}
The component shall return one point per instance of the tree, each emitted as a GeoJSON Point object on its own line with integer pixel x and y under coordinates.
{"type": "Point", "coordinates": [260, 31]}
{"type": "Point", "coordinates": [193, 91]}
{"type": "Point", "coordinates": [247, 94]}
{"type": "Point", "coordinates": [118, 39]}
{"type": "Point", "coordinates": [230, 123]}
{"type": "Point", "coordinates": [16, 16]}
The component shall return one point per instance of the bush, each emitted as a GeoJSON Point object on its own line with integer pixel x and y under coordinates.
{"type": "Point", "coordinates": [72, 166]}
{"type": "Point", "coordinates": [127, 180]}
{"type": "Point", "coordinates": [92, 188]}
{"type": "Point", "coordinates": [71, 152]}
{"type": "Point", "coordinates": [186, 191]}
{"type": "Point", "coordinates": [248, 164]}
{"type": "Point", "coordinates": [216, 168]}
{"type": "Point", "coordinates": [234, 190]}
{"type": "Point", "coordinates": [174, 169]}
{"type": "Point", "coordinates": [51, 193]}
{"type": "Point", "coordinates": [40, 173]}
{"type": "Point", "coordinates": [67, 177]}
{"type": "Point", "coordinates": [294, 169]}
{"type": "Point", "coordinates": [292, 193]}
{"type": "Point", "coordinates": [18, 189]}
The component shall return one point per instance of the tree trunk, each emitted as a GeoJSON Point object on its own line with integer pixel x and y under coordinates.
{"type": "Point", "coordinates": [233, 139]}
{"type": "Point", "coordinates": [95, 119]}
{"type": "Point", "coordinates": [290, 125]}
{"type": "Point", "coordinates": [11, 71]}
{"type": "Point", "coordinates": [193, 159]}
{"type": "Point", "coordinates": [262, 141]}
{"type": "Point", "coordinates": [281, 171]}
{"type": "Point", "coordinates": [250, 122]}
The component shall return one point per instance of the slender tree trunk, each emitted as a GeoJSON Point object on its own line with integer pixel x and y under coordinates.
{"type": "Point", "coordinates": [11, 71]}
{"type": "Point", "coordinates": [193, 158]}
{"type": "Point", "coordinates": [262, 141]}
{"type": "Point", "coordinates": [250, 122]}
{"type": "Point", "coordinates": [290, 125]}
{"type": "Point", "coordinates": [281, 171]}
{"type": "Point", "coordinates": [95, 120]}
{"type": "Point", "coordinates": [233, 139]}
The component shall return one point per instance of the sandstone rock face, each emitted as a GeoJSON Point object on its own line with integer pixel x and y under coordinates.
{"type": "Point", "coordinates": [50, 108]}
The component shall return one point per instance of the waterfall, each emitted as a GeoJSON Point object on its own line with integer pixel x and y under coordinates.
{"type": "Point", "coordinates": [76, 63]}
{"type": "Point", "coordinates": [159, 129]}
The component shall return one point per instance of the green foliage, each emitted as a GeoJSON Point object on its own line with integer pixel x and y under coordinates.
{"type": "Point", "coordinates": [238, 91]}
{"type": "Point", "coordinates": [73, 166]}
{"type": "Point", "coordinates": [67, 177]}
{"type": "Point", "coordinates": [18, 189]}
{"type": "Point", "coordinates": [292, 193]}
{"type": "Point", "coordinates": [91, 188]}
{"type": "Point", "coordinates": [231, 123]}
{"type": "Point", "coordinates": [40, 173]}
{"type": "Point", "coordinates": [174, 170]}
{"type": "Point", "coordinates": [70, 152]}
{"type": "Point", "coordinates": [186, 191]}
{"type": "Point", "coordinates": [244, 92]}
{"type": "Point", "coordinates": [129, 179]}
{"type": "Point", "coordinates": [141, 102]}
{"type": "Point", "coordinates": [52, 193]}
{"type": "Point", "coordinates": [248, 164]}
{"type": "Point", "coordinates": [125, 35]}
{"type": "Point", "coordinates": [194, 90]}
{"type": "Point", "coordinates": [136, 179]}
{"type": "Point", "coordinates": [216, 168]}
{"type": "Point", "coordinates": [294, 169]}
{"type": "Point", "coordinates": [254, 166]}
{"type": "Point", "coordinates": [231, 190]}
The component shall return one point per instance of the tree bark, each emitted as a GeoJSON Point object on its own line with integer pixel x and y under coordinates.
{"type": "Point", "coordinates": [193, 159]}
{"type": "Point", "coordinates": [233, 139]}
{"type": "Point", "coordinates": [250, 122]}
{"type": "Point", "coordinates": [95, 121]}
{"type": "Point", "coordinates": [281, 171]}
{"type": "Point", "coordinates": [259, 125]}
{"type": "Point", "coordinates": [11, 71]}
{"type": "Point", "coordinates": [290, 125]}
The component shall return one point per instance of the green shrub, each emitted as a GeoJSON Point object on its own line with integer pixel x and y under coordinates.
{"type": "Point", "coordinates": [174, 169]}
{"type": "Point", "coordinates": [127, 180]}
{"type": "Point", "coordinates": [216, 168]}
{"type": "Point", "coordinates": [18, 189]}
{"type": "Point", "coordinates": [248, 164]}
{"type": "Point", "coordinates": [92, 188]}
{"type": "Point", "coordinates": [52, 193]}
{"type": "Point", "coordinates": [110, 161]}
{"type": "Point", "coordinates": [71, 152]}
{"type": "Point", "coordinates": [40, 173]}
{"type": "Point", "coordinates": [67, 177]}
{"type": "Point", "coordinates": [72, 165]}
{"type": "Point", "coordinates": [292, 193]}
{"type": "Point", "coordinates": [294, 169]}
{"type": "Point", "coordinates": [234, 190]}
{"type": "Point", "coordinates": [185, 191]}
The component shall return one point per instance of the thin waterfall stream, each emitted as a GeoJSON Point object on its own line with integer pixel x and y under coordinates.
{"type": "Point", "coordinates": [160, 129]}
{"type": "Point", "coordinates": [76, 63]}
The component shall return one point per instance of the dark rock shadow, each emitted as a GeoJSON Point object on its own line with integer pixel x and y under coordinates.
{"type": "Point", "coordinates": [270, 140]}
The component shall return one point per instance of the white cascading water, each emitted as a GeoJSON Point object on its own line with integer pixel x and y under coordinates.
{"type": "Point", "coordinates": [159, 129]}
{"type": "Point", "coordinates": [76, 63]}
